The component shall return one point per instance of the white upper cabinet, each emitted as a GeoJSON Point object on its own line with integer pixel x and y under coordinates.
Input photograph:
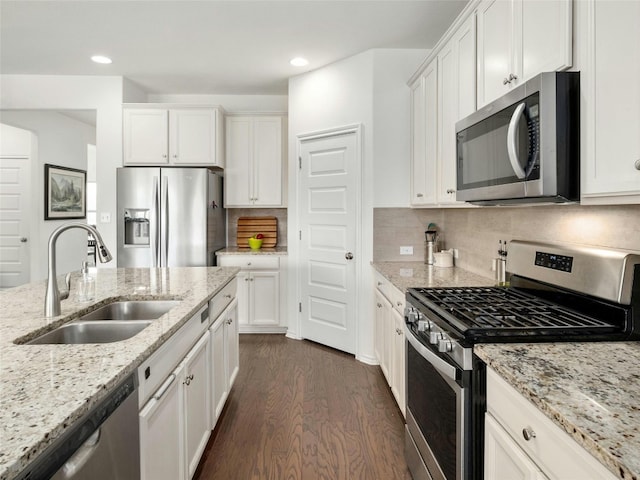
{"type": "Point", "coordinates": [608, 46]}
{"type": "Point", "coordinates": [254, 161]}
{"type": "Point", "coordinates": [517, 39]}
{"type": "Point", "coordinates": [190, 136]}
{"type": "Point", "coordinates": [456, 99]}
{"type": "Point", "coordinates": [424, 136]}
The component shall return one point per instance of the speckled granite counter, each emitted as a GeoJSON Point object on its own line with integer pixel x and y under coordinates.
{"type": "Point", "coordinates": [46, 388]}
{"type": "Point", "coordinates": [405, 275]}
{"type": "Point", "coordinates": [248, 251]}
{"type": "Point", "coordinates": [591, 390]}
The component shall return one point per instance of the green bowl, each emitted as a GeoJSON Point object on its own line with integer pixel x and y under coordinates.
{"type": "Point", "coordinates": [255, 243]}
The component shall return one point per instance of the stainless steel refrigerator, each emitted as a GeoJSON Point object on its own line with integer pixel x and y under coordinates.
{"type": "Point", "coordinates": [169, 217]}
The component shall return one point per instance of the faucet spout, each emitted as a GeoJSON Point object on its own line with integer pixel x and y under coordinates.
{"type": "Point", "coordinates": [52, 295]}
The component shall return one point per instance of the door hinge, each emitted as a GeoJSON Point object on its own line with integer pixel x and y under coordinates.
{"type": "Point", "coordinates": [299, 163]}
{"type": "Point", "coordinates": [300, 307]}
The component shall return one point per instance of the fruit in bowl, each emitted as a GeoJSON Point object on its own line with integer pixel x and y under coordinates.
{"type": "Point", "coordinates": [255, 242]}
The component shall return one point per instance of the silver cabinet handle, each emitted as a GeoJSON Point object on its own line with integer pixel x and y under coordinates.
{"type": "Point", "coordinates": [348, 256]}
{"type": "Point", "coordinates": [165, 386]}
{"type": "Point", "coordinates": [528, 433]}
{"type": "Point", "coordinates": [25, 240]}
{"type": "Point", "coordinates": [419, 195]}
{"type": "Point", "coordinates": [230, 321]}
{"type": "Point", "coordinates": [379, 305]}
{"type": "Point", "coordinates": [398, 331]}
{"type": "Point", "coordinates": [637, 164]}
{"type": "Point", "coordinates": [512, 77]}
{"type": "Point", "coordinates": [505, 81]}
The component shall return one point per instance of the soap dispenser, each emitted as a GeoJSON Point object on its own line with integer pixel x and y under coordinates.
{"type": "Point", "coordinates": [86, 285]}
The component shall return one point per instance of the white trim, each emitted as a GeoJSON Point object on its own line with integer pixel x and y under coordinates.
{"type": "Point", "coordinates": [294, 252]}
{"type": "Point", "coordinates": [368, 360]}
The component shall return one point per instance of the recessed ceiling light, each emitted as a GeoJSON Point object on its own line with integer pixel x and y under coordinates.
{"type": "Point", "coordinates": [299, 62]}
{"type": "Point", "coordinates": [101, 59]}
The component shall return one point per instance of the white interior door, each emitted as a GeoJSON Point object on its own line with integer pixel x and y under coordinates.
{"type": "Point", "coordinates": [328, 218]}
{"type": "Point", "coordinates": [14, 221]}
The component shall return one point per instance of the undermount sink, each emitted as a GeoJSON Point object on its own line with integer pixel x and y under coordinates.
{"type": "Point", "coordinates": [113, 322]}
{"type": "Point", "coordinates": [131, 310]}
{"type": "Point", "coordinates": [105, 331]}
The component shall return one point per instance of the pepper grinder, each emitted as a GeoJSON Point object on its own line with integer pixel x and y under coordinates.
{"type": "Point", "coordinates": [431, 237]}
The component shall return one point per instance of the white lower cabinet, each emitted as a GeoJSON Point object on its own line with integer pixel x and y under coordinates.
{"type": "Point", "coordinates": [521, 442]}
{"type": "Point", "coordinates": [161, 452]}
{"type": "Point", "coordinates": [183, 387]}
{"type": "Point", "coordinates": [389, 340]}
{"type": "Point", "coordinates": [224, 358]}
{"type": "Point", "coordinates": [260, 292]}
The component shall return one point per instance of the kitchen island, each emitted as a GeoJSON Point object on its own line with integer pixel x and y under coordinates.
{"type": "Point", "coordinates": [590, 390]}
{"type": "Point", "coordinates": [46, 388]}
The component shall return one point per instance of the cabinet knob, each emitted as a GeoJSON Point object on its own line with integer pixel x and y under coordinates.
{"type": "Point", "coordinates": [505, 81]}
{"type": "Point", "coordinates": [419, 195]}
{"type": "Point", "coordinates": [528, 433]}
{"type": "Point", "coordinates": [637, 164]}
{"type": "Point", "coordinates": [399, 304]}
{"type": "Point", "coordinates": [175, 156]}
{"type": "Point", "coordinates": [25, 240]}
{"type": "Point", "coordinates": [379, 305]}
{"type": "Point", "coordinates": [248, 264]}
{"type": "Point", "coordinates": [230, 321]}
{"type": "Point", "coordinates": [398, 331]}
{"type": "Point", "coordinates": [512, 77]}
{"type": "Point", "coordinates": [227, 296]}
{"type": "Point", "coordinates": [164, 155]}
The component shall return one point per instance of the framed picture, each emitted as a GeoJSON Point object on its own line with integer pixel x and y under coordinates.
{"type": "Point", "coordinates": [65, 192]}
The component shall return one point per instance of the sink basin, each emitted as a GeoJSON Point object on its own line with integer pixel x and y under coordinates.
{"type": "Point", "coordinates": [92, 332]}
{"type": "Point", "coordinates": [131, 310]}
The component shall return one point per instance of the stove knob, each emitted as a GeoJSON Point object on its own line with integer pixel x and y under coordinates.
{"type": "Point", "coordinates": [445, 345]}
{"type": "Point", "coordinates": [423, 325]}
{"type": "Point", "coordinates": [434, 337]}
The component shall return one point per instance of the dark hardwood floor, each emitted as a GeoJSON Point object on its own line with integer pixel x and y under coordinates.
{"type": "Point", "coordinates": [299, 410]}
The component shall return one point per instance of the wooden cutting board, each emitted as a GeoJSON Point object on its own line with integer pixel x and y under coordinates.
{"type": "Point", "coordinates": [249, 226]}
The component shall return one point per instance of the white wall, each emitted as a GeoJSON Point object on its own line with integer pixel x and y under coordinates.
{"type": "Point", "coordinates": [101, 93]}
{"type": "Point", "coordinates": [367, 89]}
{"type": "Point", "coordinates": [61, 141]}
{"type": "Point", "coordinates": [231, 103]}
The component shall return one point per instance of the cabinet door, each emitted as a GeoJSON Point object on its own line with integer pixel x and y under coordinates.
{"type": "Point", "coordinates": [264, 298]}
{"type": "Point", "coordinates": [196, 401]}
{"type": "Point", "coordinates": [611, 100]}
{"type": "Point", "coordinates": [546, 36]}
{"type": "Point", "coordinates": [145, 136]}
{"type": "Point", "coordinates": [192, 139]}
{"type": "Point", "coordinates": [161, 433]}
{"type": "Point", "coordinates": [219, 379]}
{"type": "Point", "coordinates": [399, 366]}
{"type": "Point", "coordinates": [232, 345]}
{"type": "Point", "coordinates": [418, 134]}
{"type": "Point", "coordinates": [504, 460]}
{"type": "Point", "coordinates": [238, 173]}
{"type": "Point", "coordinates": [379, 327]}
{"type": "Point", "coordinates": [267, 161]}
{"type": "Point", "coordinates": [495, 34]}
{"type": "Point", "coordinates": [243, 296]}
{"type": "Point", "coordinates": [464, 43]}
{"type": "Point", "coordinates": [424, 164]}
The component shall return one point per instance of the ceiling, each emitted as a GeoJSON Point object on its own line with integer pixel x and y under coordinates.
{"type": "Point", "coordinates": [209, 46]}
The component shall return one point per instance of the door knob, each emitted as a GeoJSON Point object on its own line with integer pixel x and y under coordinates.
{"type": "Point", "coordinates": [23, 240]}
{"type": "Point", "coordinates": [348, 256]}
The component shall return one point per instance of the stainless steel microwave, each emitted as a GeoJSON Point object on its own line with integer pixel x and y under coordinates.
{"type": "Point", "coordinates": [525, 146]}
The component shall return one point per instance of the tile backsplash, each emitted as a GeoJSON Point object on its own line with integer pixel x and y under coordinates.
{"type": "Point", "coordinates": [475, 231]}
{"type": "Point", "coordinates": [234, 213]}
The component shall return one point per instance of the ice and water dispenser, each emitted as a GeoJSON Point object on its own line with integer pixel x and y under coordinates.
{"type": "Point", "coordinates": [136, 226]}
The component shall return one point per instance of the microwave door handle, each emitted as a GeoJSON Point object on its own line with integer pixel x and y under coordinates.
{"type": "Point", "coordinates": [512, 147]}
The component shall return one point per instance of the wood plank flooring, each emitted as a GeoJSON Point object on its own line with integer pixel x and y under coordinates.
{"type": "Point", "coordinates": [302, 411]}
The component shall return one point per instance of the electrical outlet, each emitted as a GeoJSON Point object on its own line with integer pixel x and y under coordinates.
{"type": "Point", "coordinates": [105, 217]}
{"type": "Point", "coordinates": [406, 250]}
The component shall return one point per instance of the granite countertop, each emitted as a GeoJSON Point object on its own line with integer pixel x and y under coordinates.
{"type": "Point", "coordinates": [248, 251]}
{"type": "Point", "coordinates": [590, 390]}
{"type": "Point", "coordinates": [46, 388]}
{"type": "Point", "coordinates": [404, 275]}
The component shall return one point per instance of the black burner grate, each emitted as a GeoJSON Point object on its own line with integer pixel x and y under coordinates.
{"type": "Point", "coordinates": [481, 309]}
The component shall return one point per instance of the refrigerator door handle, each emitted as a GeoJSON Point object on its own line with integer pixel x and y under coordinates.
{"type": "Point", "coordinates": [153, 241]}
{"type": "Point", "coordinates": [164, 231]}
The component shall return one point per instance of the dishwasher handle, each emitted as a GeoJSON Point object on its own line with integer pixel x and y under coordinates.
{"type": "Point", "coordinates": [82, 455]}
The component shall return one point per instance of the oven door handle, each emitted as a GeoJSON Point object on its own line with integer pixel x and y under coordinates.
{"type": "Point", "coordinates": [443, 367]}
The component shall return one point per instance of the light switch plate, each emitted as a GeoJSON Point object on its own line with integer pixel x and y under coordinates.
{"type": "Point", "coordinates": [406, 250]}
{"type": "Point", "coordinates": [105, 217]}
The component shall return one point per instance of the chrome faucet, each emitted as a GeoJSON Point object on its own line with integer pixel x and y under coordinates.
{"type": "Point", "coordinates": [52, 296]}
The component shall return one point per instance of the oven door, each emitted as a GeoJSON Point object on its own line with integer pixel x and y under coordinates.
{"type": "Point", "coordinates": [438, 403]}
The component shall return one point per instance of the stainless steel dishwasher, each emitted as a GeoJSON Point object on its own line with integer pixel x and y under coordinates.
{"type": "Point", "coordinates": [104, 444]}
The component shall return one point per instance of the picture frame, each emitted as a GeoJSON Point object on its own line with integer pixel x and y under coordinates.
{"type": "Point", "coordinates": [65, 193]}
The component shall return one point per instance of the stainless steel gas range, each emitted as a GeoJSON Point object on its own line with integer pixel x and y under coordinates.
{"type": "Point", "coordinates": [556, 293]}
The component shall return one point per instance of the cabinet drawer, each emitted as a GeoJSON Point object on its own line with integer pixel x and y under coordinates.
{"type": "Point", "coordinates": [155, 369]}
{"type": "Point", "coordinates": [223, 298]}
{"type": "Point", "coordinates": [250, 262]}
{"type": "Point", "coordinates": [390, 292]}
{"type": "Point", "coordinates": [552, 449]}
